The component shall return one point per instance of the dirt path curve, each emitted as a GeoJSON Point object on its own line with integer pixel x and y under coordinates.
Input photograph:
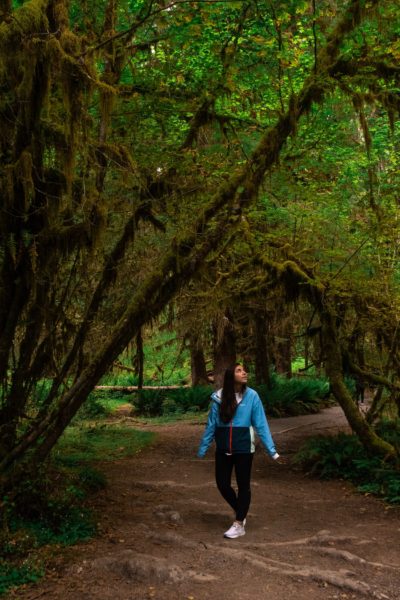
{"type": "Point", "coordinates": [162, 521]}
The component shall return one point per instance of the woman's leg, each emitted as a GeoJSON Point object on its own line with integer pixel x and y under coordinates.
{"type": "Point", "coordinates": [243, 464]}
{"type": "Point", "coordinates": [223, 477]}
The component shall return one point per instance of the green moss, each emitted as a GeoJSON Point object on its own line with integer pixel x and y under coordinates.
{"type": "Point", "coordinates": [29, 19]}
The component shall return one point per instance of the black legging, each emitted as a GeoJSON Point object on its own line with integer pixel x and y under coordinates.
{"type": "Point", "coordinates": [223, 475]}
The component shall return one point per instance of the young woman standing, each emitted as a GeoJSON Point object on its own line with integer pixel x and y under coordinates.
{"type": "Point", "coordinates": [235, 412]}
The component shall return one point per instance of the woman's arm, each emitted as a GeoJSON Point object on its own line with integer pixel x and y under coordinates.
{"type": "Point", "coordinates": [260, 424]}
{"type": "Point", "coordinates": [209, 433]}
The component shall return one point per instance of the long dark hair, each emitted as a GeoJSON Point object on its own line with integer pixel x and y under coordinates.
{"type": "Point", "coordinates": [228, 405]}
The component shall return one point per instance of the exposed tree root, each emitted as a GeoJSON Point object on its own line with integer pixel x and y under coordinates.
{"type": "Point", "coordinates": [322, 537]}
{"type": "Point", "coordinates": [345, 555]}
{"type": "Point", "coordinates": [343, 578]}
{"type": "Point", "coordinates": [142, 567]}
{"type": "Point", "coordinates": [148, 485]}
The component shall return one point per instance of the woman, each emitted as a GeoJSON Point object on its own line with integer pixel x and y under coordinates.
{"type": "Point", "coordinates": [235, 410]}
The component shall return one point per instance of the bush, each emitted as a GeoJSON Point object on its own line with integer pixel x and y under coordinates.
{"type": "Point", "coordinates": [92, 408]}
{"type": "Point", "coordinates": [47, 510]}
{"type": "Point", "coordinates": [284, 397]}
{"type": "Point", "coordinates": [156, 403]}
{"type": "Point", "coordinates": [343, 456]}
{"type": "Point", "coordinates": [295, 396]}
{"type": "Point", "coordinates": [390, 431]}
{"type": "Point", "coordinates": [12, 575]}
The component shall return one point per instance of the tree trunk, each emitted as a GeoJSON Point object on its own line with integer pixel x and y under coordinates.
{"type": "Point", "coordinates": [334, 370]}
{"type": "Point", "coordinates": [224, 348]}
{"type": "Point", "coordinates": [283, 346]}
{"type": "Point", "coordinates": [139, 359]}
{"type": "Point", "coordinates": [197, 364]}
{"type": "Point", "coordinates": [261, 362]}
{"type": "Point", "coordinates": [375, 407]}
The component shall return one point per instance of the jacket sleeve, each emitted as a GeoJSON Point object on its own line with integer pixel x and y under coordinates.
{"type": "Point", "coordinates": [260, 424]}
{"type": "Point", "coordinates": [209, 433]}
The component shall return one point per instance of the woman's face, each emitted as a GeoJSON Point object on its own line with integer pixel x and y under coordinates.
{"type": "Point", "coordinates": [240, 374]}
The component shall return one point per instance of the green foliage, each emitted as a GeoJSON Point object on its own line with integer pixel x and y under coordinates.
{"type": "Point", "coordinates": [45, 510]}
{"type": "Point", "coordinates": [117, 377]}
{"type": "Point", "coordinates": [390, 431]}
{"type": "Point", "coordinates": [295, 396]}
{"type": "Point", "coordinates": [50, 508]}
{"type": "Point", "coordinates": [153, 403]}
{"type": "Point", "coordinates": [61, 523]}
{"type": "Point", "coordinates": [343, 456]}
{"type": "Point", "coordinates": [166, 362]}
{"type": "Point", "coordinates": [83, 444]}
{"type": "Point", "coordinates": [285, 397]}
{"type": "Point", "coordinates": [13, 575]}
{"type": "Point", "coordinates": [99, 404]}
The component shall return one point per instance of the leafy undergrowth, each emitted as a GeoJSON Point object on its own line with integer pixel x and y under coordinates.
{"type": "Point", "coordinates": [98, 442]}
{"type": "Point", "coordinates": [156, 403]}
{"type": "Point", "coordinates": [295, 396]}
{"type": "Point", "coordinates": [343, 456]}
{"type": "Point", "coordinates": [283, 397]}
{"type": "Point", "coordinates": [51, 510]}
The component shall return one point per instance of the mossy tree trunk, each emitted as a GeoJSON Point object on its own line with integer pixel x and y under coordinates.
{"type": "Point", "coordinates": [139, 358]}
{"type": "Point", "coordinates": [282, 346]}
{"type": "Point", "coordinates": [224, 347]}
{"type": "Point", "coordinates": [261, 352]}
{"type": "Point", "coordinates": [334, 370]}
{"type": "Point", "coordinates": [198, 366]}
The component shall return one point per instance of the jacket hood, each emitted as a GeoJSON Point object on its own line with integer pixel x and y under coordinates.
{"type": "Point", "coordinates": [217, 396]}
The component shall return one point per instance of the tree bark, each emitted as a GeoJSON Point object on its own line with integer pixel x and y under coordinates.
{"type": "Point", "coordinates": [197, 363]}
{"type": "Point", "coordinates": [224, 348]}
{"type": "Point", "coordinates": [282, 347]}
{"type": "Point", "coordinates": [334, 370]}
{"type": "Point", "coordinates": [140, 358]}
{"type": "Point", "coordinates": [262, 360]}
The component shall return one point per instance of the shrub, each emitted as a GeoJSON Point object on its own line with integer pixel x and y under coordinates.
{"type": "Point", "coordinates": [43, 511]}
{"type": "Point", "coordinates": [12, 575]}
{"type": "Point", "coordinates": [155, 403]}
{"type": "Point", "coordinates": [343, 456]}
{"type": "Point", "coordinates": [284, 397]}
{"type": "Point", "coordinates": [390, 431]}
{"type": "Point", "coordinates": [92, 407]}
{"type": "Point", "coordinates": [295, 396]}
{"type": "Point", "coordinates": [148, 403]}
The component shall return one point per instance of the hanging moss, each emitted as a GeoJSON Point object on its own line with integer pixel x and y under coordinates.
{"type": "Point", "coordinates": [119, 154]}
{"type": "Point", "coordinates": [29, 18]}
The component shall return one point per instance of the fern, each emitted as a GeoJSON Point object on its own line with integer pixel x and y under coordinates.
{"type": "Point", "coordinates": [343, 456]}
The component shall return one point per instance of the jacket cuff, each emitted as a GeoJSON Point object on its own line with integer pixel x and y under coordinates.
{"type": "Point", "coordinates": [275, 456]}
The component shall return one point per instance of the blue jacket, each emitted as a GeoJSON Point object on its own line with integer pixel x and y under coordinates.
{"type": "Point", "coordinates": [238, 435]}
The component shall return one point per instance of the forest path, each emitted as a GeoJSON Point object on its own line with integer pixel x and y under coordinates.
{"type": "Point", "coordinates": [162, 522]}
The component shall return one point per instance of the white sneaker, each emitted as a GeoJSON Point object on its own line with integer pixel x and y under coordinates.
{"type": "Point", "coordinates": [235, 531]}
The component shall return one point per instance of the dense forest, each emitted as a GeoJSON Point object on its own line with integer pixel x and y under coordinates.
{"type": "Point", "coordinates": [232, 166]}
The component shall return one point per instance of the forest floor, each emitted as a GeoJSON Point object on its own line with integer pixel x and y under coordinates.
{"type": "Point", "coordinates": [161, 523]}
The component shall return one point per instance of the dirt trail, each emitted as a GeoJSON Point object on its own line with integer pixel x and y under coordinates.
{"type": "Point", "coordinates": [162, 521]}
